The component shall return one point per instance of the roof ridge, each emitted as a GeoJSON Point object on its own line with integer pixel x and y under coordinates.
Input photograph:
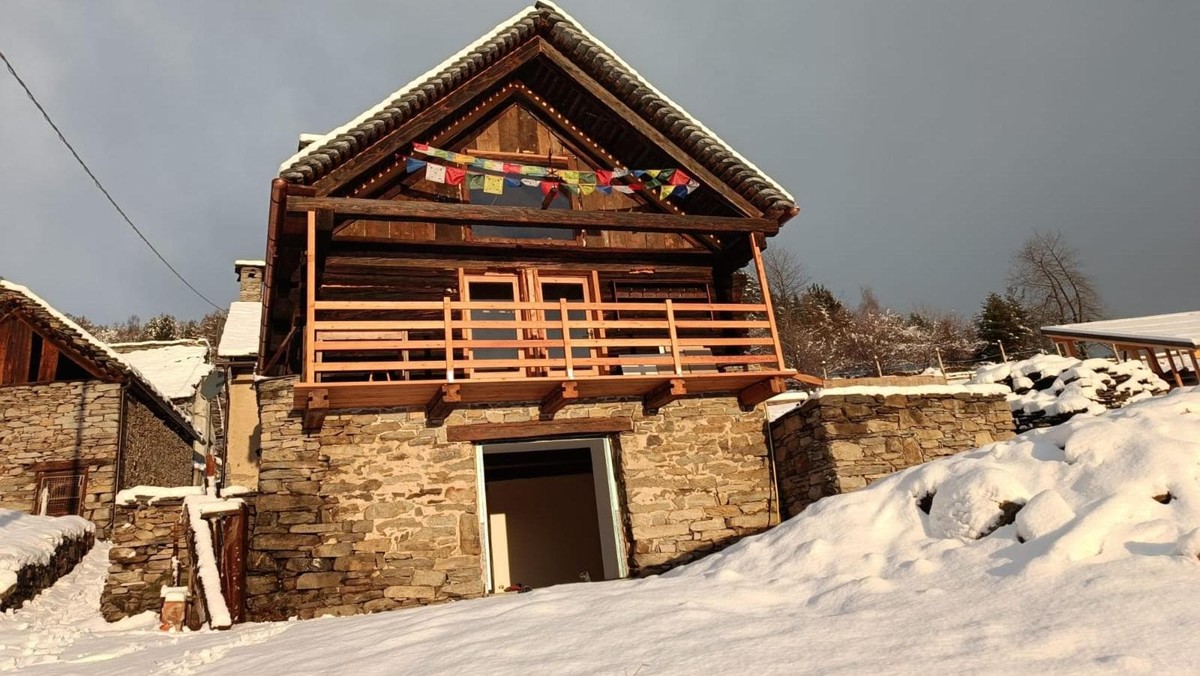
{"type": "Point", "coordinates": [544, 17]}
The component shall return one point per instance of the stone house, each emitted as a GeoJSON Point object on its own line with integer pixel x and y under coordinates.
{"type": "Point", "coordinates": [503, 340]}
{"type": "Point", "coordinates": [77, 421]}
{"type": "Point", "coordinates": [183, 371]}
{"type": "Point", "coordinates": [237, 355]}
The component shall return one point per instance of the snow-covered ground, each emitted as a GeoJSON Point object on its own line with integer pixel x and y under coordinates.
{"type": "Point", "coordinates": [1097, 573]}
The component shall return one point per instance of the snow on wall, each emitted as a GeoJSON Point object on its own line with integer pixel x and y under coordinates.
{"type": "Point", "coordinates": [197, 507]}
{"type": "Point", "coordinates": [28, 539]}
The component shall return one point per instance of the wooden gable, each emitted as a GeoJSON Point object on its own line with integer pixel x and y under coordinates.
{"type": "Point", "coordinates": [517, 132]}
{"type": "Point", "coordinates": [28, 356]}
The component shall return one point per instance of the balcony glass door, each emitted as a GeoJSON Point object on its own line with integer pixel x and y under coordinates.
{"type": "Point", "coordinates": [573, 290]}
{"type": "Point", "coordinates": [495, 293]}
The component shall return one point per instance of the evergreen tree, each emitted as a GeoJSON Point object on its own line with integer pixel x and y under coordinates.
{"type": "Point", "coordinates": [1004, 319]}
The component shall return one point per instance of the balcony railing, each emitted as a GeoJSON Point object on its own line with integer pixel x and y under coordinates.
{"type": "Point", "coordinates": [464, 340]}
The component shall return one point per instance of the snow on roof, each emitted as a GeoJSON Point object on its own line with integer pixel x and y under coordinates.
{"type": "Point", "coordinates": [174, 367]}
{"type": "Point", "coordinates": [248, 263]}
{"type": "Point", "coordinates": [1178, 329]}
{"type": "Point", "coordinates": [315, 141]}
{"type": "Point", "coordinates": [27, 539]}
{"type": "Point", "coordinates": [242, 326]}
{"type": "Point", "coordinates": [100, 346]}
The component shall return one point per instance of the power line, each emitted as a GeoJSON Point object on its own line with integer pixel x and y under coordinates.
{"type": "Point", "coordinates": [95, 180]}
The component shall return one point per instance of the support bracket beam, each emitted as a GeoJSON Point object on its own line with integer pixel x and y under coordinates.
{"type": "Point", "coordinates": [761, 391]}
{"type": "Point", "coordinates": [663, 395]}
{"type": "Point", "coordinates": [558, 397]}
{"type": "Point", "coordinates": [315, 409]}
{"type": "Point", "coordinates": [442, 404]}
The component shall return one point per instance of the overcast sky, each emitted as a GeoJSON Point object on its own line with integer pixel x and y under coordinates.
{"type": "Point", "coordinates": [923, 139]}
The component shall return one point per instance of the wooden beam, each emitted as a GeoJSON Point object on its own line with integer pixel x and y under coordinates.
{"type": "Point", "coordinates": [315, 409]}
{"type": "Point", "coordinates": [663, 395]}
{"type": "Point", "coordinates": [558, 397]}
{"type": "Point", "coordinates": [761, 391]}
{"type": "Point", "coordinates": [812, 381]}
{"type": "Point", "coordinates": [472, 214]}
{"type": "Point", "coordinates": [421, 123]}
{"type": "Point", "coordinates": [766, 298]}
{"type": "Point", "coordinates": [633, 119]}
{"type": "Point", "coordinates": [48, 365]}
{"type": "Point", "coordinates": [538, 429]}
{"type": "Point", "coordinates": [442, 404]}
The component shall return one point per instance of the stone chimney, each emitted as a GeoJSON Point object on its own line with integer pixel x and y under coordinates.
{"type": "Point", "coordinates": [250, 276]}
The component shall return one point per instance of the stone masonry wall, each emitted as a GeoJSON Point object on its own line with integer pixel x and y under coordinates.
{"type": "Point", "coordinates": [144, 539]}
{"type": "Point", "coordinates": [838, 443]}
{"type": "Point", "coordinates": [60, 425]}
{"type": "Point", "coordinates": [378, 511]}
{"type": "Point", "coordinates": [155, 453]}
{"type": "Point", "coordinates": [33, 579]}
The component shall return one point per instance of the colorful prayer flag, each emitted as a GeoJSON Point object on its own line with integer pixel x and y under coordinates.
{"type": "Point", "coordinates": [530, 182]}
{"type": "Point", "coordinates": [411, 164]}
{"type": "Point", "coordinates": [587, 188]}
{"type": "Point", "coordinates": [455, 176]}
{"type": "Point", "coordinates": [679, 178]}
{"type": "Point", "coordinates": [512, 181]}
{"type": "Point", "coordinates": [604, 189]}
{"type": "Point", "coordinates": [420, 148]}
{"type": "Point", "coordinates": [493, 185]}
{"type": "Point", "coordinates": [547, 186]}
{"type": "Point", "coordinates": [604, 177]}
{"type": "Point", "coordinates": [474, 181]}
{"type": "Point", "coordinates": [569, 176]}
{"type": "Point", "coordinates": [510, 168]}
{"type": "Point", "coordinates": [620, 173]}
{"type": "Point", "coordinates": [435, 173]}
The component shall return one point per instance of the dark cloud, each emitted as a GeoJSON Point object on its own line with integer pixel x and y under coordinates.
{"type": "Point", "coordinates": [924, 140]}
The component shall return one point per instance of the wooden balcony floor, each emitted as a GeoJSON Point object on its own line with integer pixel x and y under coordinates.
{"type": "Point", "coordinates": [346, 395]}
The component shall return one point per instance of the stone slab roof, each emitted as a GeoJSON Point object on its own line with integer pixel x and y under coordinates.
{"type": "Point", "coordinates": [544, 19]}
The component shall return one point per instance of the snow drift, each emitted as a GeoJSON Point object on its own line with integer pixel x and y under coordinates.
{"type": "Point", "coordinates": [1066, 549]}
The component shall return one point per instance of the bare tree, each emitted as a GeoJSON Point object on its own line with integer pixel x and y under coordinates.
{"type": "Point", "coordinates": [785, 273]}
{"type": "Point", "coordinates": [1047, 274]}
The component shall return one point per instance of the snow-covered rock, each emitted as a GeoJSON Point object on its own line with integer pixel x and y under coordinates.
{"type": "Point", "coordinates": [1048, 389]}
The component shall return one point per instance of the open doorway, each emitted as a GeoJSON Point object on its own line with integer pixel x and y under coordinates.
{"type": "Point", "coordinates": [548, 513]}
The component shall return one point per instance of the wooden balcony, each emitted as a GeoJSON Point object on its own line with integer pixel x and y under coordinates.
{"type": "Point", "coordinates": [442, 354]}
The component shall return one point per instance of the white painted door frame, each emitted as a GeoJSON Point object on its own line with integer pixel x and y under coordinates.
{"type": "Point", "coordinates": [608, 505]}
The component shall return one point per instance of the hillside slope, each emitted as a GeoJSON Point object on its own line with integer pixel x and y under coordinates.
{"type": "Point", "coordinates": [1096, 572]}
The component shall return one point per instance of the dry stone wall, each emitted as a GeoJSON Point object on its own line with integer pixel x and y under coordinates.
{"type": "Point", "coordinates": [60, 425]}
{"type": "Point", "coordinates": [148, 539]}
{"type": "Point", "coordinates": [156, 453]}
{"type": "Point", "coordinates": [34, 578]}
{"type": "Point", "coordinates": [838, 443]}
{"type": "Point", "coordinates": [378, 511]}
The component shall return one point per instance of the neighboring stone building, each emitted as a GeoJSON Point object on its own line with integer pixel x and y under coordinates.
{"type": "Point", "coordinates": [77, 421]}
{"type": "Point", "coordinates": [843, 439]}
{"type": "Point", "coordinates": [182, 370]}
{"type": "Point", "coordinates": [237, 355]}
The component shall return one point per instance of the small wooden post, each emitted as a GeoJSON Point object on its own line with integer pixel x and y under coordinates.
{"type": "Point", "coordinates": [569, 359]}
{"type": "Point", "coordinates": [310, 329]}
{"type": "Point", "coordinates": [1116, 353]}
{"type": "Point", "coordinates": [1175, 369]}
{"type": "Point", "coordinates": [1196, 366]}
{"type": "Point", "coordinates": [1003, 354]}
{"type": "Point", "coordinates": [674, 339]}
{"type": "Point", "coordinates": [447, 317]}
{"type": "Point", "coordinates": [941, 366]}
{"type": "Point", "coordinates": [824, 370]}
{"type": "Point", "coordinates": [878, 368]}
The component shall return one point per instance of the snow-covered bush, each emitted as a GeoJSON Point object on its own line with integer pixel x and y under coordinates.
{"type": "Point", "coordinates": [1049, 389]}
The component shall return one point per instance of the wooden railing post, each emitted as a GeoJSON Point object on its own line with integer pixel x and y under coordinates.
{"type": "Point", "coordinates": [447, 318]}
{"type": "Point", "coordinates": [310, 327]}
{"type": "Point", "coordinates": [675, 356]}
{"type": "Point", "coordinates": [766, 298]}
{"type": "Point", "coordinates": [566, 338]}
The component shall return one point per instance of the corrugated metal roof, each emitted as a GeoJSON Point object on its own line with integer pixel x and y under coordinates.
{"type": "Point", "coordinates": [1181, 329]}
